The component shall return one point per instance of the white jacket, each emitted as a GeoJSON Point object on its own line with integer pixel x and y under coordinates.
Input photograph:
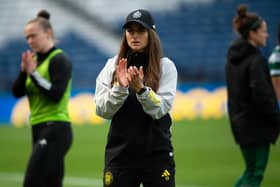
{"type": "Point", "coordinates": [109, 99]}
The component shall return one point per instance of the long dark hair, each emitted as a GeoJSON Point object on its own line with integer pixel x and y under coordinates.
{"type": "Point", "coordinates": [154, 53]}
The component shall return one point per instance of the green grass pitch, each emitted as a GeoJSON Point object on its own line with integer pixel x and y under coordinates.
{"type": "Point", "coordinates": [205, 155]}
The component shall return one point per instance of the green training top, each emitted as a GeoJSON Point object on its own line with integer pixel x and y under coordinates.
{"type": "Point", "coordinates": [42, 108]}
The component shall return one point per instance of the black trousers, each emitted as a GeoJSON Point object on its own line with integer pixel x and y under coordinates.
{"type": "Point", "coordinates": [51, 141]}
{"type": "Point", "coordinates": [160, 173]}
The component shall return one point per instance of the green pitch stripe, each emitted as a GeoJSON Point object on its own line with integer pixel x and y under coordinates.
{"type": "Point", "coordinates": [69, 181]}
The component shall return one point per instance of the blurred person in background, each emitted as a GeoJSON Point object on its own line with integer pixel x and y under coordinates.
{"type": "Point", "coordinates": [136, 90]}
{"type": "Point", "coordinates": [252, 104]}
{"type": "Point", "coordinates": [45, 78]}
{"type": "Point", "coordinates": [274, 63]}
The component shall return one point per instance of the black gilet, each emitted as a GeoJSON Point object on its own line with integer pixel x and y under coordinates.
{"type": "Point", "coordinates": [135, 139]}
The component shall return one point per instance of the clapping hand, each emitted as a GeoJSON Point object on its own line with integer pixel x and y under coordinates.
{"type": "Point", "coordinates": [136, 78]}
{"type": "Point", "coordinates": [28, 64]}
{"type": "Point", "coordinates": [132, 77]}
{"type": "Point", "coordinates": [121, 73]}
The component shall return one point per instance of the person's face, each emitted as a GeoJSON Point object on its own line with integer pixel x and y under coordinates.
{"type": "Point", "coordinates": [137, 37]}
{"type": "Point", "coordinates": [260, 36]}
{"type": "Point", "coordinates": [38, 39]}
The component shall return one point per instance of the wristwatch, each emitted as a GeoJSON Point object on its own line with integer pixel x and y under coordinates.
{"type": "Point", "coordinates": [142, 90]}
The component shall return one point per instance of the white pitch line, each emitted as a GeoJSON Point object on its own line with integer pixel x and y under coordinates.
{"type": "Point", "coordinates": [68, 180]}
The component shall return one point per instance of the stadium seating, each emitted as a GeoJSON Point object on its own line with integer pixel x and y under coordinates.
{"type": "Point", "coordinates": [194, 35]}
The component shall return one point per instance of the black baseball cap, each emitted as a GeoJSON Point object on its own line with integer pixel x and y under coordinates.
{"type": "Point", "coordinates": [142, 17]}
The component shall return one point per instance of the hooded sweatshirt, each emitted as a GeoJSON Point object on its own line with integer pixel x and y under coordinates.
{"type": "Point", "coordinates": [252, 104]}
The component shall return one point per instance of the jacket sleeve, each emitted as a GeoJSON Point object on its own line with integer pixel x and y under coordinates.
{"type": "Point", "coordinates": [19, 85]}
{"type": "Point", "coordinates": [108, 99]}
{"type": "Point", "coordinates": [159, 103]}
{"type": "Point", "coordinates": [263, 96]}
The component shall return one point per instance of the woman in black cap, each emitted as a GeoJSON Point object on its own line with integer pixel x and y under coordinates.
{"type": "Point", "coordinates": [136, 90]}
{"type": "Point", "coordinates": [252, 104]}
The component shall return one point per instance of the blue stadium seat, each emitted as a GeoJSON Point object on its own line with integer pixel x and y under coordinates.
{"type": "Point", "coordinates": [195, 36]}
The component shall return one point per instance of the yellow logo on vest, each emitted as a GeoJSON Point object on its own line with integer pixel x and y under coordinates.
{"type": "Point", "coordinates": [108, 178]}
{"type": "Point", "coordinates": [166, 175]}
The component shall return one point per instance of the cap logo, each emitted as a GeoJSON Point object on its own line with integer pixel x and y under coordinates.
{"type": "Point", "coordinates": [137, 14]}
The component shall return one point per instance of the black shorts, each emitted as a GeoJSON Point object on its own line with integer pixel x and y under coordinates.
{"type": "Point", "coordinates": [150, 176]}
